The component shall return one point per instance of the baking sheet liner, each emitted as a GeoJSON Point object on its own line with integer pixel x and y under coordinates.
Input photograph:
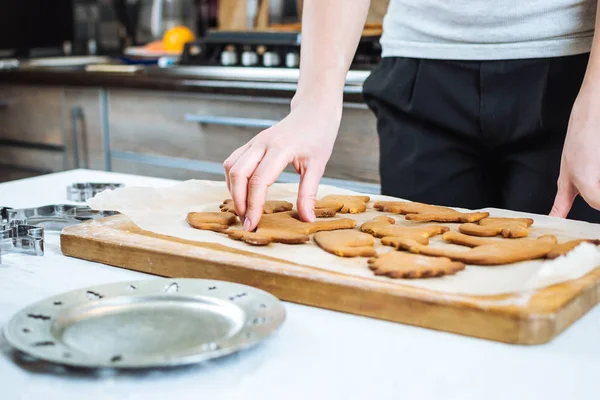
{"type": "Point", "coordinates": [163, 211]}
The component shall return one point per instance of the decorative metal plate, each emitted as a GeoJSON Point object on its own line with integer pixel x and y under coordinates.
{"type": "Point", "coordinates": [149, 323]}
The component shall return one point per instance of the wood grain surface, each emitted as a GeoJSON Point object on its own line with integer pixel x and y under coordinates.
{"type": "Point", "coordinates": [117, 241]}
{"type": "Point", "coordinates": [31, 114]}
{"type": "Point", "coordinates": [138, 114]}
{"type": "Point", "coordinates": [232, 15]}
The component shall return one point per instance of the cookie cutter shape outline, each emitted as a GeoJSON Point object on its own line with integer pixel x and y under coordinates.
{"type": "Point", "coordinates": [83, 191]}
{"type": "Point", "coordinates": [66, 214]}
{"type": "Point", "coordinates": [19, 237]}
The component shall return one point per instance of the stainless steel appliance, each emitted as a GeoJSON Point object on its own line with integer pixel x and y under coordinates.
{"type": "Point", "coordinates": [265, 49]}
{"type": "Point", "coordinates": [157, 16]}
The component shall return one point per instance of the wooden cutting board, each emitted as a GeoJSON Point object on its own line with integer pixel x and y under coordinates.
{"type": "Point", "coordinates": [117, 241]}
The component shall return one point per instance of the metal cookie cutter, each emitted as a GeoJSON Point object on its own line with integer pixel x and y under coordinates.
{"type": "Point", "coordinates": [84, 191]}
{"type": "Point", "coordinates": [19, 237]}
{"type": "Point", "coordinates": [55, 217]}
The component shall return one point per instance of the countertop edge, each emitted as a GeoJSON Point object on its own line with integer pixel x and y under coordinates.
{"type": "Point", "coordinates": [178, 83]}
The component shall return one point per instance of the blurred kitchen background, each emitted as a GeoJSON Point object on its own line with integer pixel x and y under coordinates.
{"type": "Point", "coordinates": [164, 88]}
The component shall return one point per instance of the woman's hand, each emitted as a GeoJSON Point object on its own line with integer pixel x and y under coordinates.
{"type": "Point", "coordinates": [304, 139]}
{"type": "Point", "coordinates": [580, 164]}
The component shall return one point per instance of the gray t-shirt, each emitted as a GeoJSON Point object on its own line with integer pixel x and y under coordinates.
{"type": "Point", "coordinates": [488, 29]}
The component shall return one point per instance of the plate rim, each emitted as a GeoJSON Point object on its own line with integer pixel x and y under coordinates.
{"type": "Point", "coordinates": [275, 321]}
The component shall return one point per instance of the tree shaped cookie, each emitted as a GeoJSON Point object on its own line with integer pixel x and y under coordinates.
{"type": "Point", "coordinates": [270, 207]}
{"type": "Point", "coordinates": [564, 248]}
{"type": "Point", "coordinates": [213, 221]}
{"type": "Point", "coordinates": [286, 227]}
{"type": "Point", "coordinates": [491, 226]}
{"type": "Point", "coordinates": [396, 264]}
{"type": "Point", "coordinates": [484, 251]}
{"type": "Point", "coordinates": [350, 204]}
{"type": "Point", "coordinates": [385, 226]}
{"type": "Point", "coordinates": [427, 213]}
{"type": "Point", "coordinates": [346, 243]}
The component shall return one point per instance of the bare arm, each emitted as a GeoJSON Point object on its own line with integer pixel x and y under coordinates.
{"type": "Point", "coordinates": [331, 30]}
{"type": "Point", "coordinates": [580, 164]}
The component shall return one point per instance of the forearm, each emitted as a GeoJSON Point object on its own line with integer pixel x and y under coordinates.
{"type": "Point", "coordinates": [591, 82]}
{"type": "Point", "coordinates": [331, 30]}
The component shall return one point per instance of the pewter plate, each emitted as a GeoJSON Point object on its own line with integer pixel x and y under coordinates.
{"type": "Point", "coordinates": [149, 323]}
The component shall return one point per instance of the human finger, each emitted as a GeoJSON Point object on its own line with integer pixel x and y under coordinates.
{"type": "Point", "coordinates": [307, 191]}
{"type": "Point", "coordinates": [230, 161]}
{"type": "Point", "coordinates": [267, 172]}
{"type": "Point", "coordinates": [240, 173]}
{"type": "Point", "coordinates": [565, 195]}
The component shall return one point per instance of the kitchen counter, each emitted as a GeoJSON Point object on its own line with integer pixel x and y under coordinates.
{"type": "Point", "coordinates": [316, 354]}
{"type": "Point", "coordinates": [265, 82]}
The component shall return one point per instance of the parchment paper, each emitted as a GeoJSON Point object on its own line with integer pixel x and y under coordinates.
{"type": "Point", "coordinates": [163, 211]}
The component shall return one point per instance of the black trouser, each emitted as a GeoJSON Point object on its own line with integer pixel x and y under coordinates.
{"type": "Point", "coordinates": [475, 134]}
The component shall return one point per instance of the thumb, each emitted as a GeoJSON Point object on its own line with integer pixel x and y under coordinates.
{"type": "Point", "coordinates": [307, 192]}
{"type": "Point", "coordinates": [565, 196]}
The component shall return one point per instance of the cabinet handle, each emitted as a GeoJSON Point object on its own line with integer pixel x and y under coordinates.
{"type": "Point", "coordinates": [231, 121]}
{"type": "Point", "coordinates": [77, 120]}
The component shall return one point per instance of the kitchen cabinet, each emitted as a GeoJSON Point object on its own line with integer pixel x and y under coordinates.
{"type": "Point", "coordinates": [164, 124]}
{"type": "Point", "coordinates": [198, 132]}
{"type": "Point", "coordinates": [81, 114]}
{"type": "Point", "coordinates": [31, 131]}
{"type": "Point", "coordinates": [161, 133]}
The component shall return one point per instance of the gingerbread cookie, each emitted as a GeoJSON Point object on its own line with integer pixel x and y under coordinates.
{"type": "Point", "coordinates": [564, 248]}
{"type": "Point", "coordinates": [350, 204]}
{"type": "Point", "coordinates": [267, 236]}
{"type": "Point", "coordinates": [427, 213]}
{"type": "Point", "coordinates": [212, 221]}
{"type": "Point", "coordinates": [270, 207]}
{"type": "Point", "coordinates": [467, 240]}
{"type": "Point", "coordinates": [346, 243]}
{"type": "Point", "coordinates": [491, 226]}
{"type": "Point", "coordinates": [397, 264]}
{"type": "Point", "coordinates": [385, 227]}
{"type": "Point", "coordinates": [286, 227]}
{"type": "Point", "coordinates": [500, 251]}
{"type": "Point", "coordinates": [327, 208]}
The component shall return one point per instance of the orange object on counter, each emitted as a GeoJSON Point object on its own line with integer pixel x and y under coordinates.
{"type": "Point", "coordinates": [175, 38]}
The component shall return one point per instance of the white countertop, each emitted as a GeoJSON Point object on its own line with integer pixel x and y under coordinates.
{"type": "Point", "coordinates": [317, 354]}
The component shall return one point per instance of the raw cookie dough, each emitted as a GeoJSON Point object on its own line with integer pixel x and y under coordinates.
{"type": "Point", "coordinates": [350, 204]}
{"type": "Point", "coordinates": [396, 264]}
{"type": "Point", "coordinates": [491, 226]}
{"type": "Point", "coordinates": [212, 221]}
{"type": "Point", "coordinates": [385, 226]}
{"type": "Point", "coordinates": [270, 207]}
{"type": "Point", "coordinates": [485, 251]}
{"type": "Point", "coordinates": [286, 227]}
{"type": "Point", "coordinates": [327, 208]}
{"type": "Point", "coordinates": [427, 213]}
{"type": "Point", "coordinates": [346, 243]}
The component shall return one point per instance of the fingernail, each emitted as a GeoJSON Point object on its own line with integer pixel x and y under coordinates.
{"type": "Point", "coordinates": [311, 216]}
{"type": "Point", "coordinates": [247, 224]}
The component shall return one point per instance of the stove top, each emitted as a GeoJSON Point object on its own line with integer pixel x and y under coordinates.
{"type": "Point", "coordinates": [265, 49]}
